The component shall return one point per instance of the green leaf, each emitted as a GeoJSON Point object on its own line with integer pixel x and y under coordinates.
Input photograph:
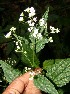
{"type": "Point", "coordinates": [9, 48]}
{"type": "Point", "coordinates": [46, 14]}
{"type": "Point", "coordinates": [59, 73]}
{"type": "Point", "coordinates": [40, 44]}
{"type": "Point", "coordinates": [47, 63]}
{"type": "Point", "coordinates": [44, 84]}
{"type": "Point", "coordinates": [27, 56]}
{"type": "Point", "coordinates": [9, 72]}
{"type": "Point", "coordinates": [60, 91]}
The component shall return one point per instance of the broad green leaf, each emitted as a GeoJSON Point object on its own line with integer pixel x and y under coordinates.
{"type": "Point", "coordinates": [9, 72]}
{"type": "Point", "coordinates": [59, 73]}
{"type": "Point", "coordinates": [9, 48]}
{"type": "Point", "coordinates": [47, 63]}
{"type": "Point", "coordinates": [28, 58]}
{"type": "Point", "coordinates": [44, 84]}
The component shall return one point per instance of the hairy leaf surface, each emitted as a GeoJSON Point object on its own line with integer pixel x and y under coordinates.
{"type": "Point", "coordinates": [47, 63]}
{"type": "Point", "coordinates": [44, 84]}
{"type": "Point", "coordinates": [9, 73]}
{"type": "Point", "coordinates": [27, 56]}
{"type": "Point", "coordinates": [59, 73]}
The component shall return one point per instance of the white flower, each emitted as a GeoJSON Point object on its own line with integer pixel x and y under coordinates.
{"type": "Point", "coordinates": [29, 68]}
{"type": "Point", "coordinates": [27, 10]}
{"type": "Point", "coordinates": [41, 22]}
{"type": "Point", "coordinates": [16, 43]}
{"type": "Point", "coordinates": [50, 39]}
{"type": "Point", "coordinates": [18, 47]}
{"type": "Point", "coordinates": [30, 23]}
{"type": "Point", "coordinates": [36, 30]}
{"type": "Point", "coordinates": [22, 14]}
{"type": "Point", "coordinates": [57, 30]}
{"type": "Point", "coordinates": [12, 29]}
{"type": "Point", "coordinates": [25, 52]}
{"type": "Point", "coordinates": [39, 36]}
{"type": "Point", "coordinates": [32, 10]}
{"type": "Point", "coordinates": [34, 35]}
{"type": "Point", "coordinates": [31, 75]}
{"type": "Point", "coordinates": [29, 29]}
{"type": "Point", "coordinates": [31, 14]}
{"type": "Point", "coordinates": [8, 35]}
{"type": "Point", "coordinates": [21, 19]}
{"type": "Point", "coordinates": [35, 19]}
{"type": "Point", "coordinates": [53, 30]}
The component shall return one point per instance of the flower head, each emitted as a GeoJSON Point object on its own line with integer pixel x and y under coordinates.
{"type": "Point", "coordinates": [8, 35]}
{"type": "Point", "coordinates": [39, 36]}
{"type": "Point", "coordinates": [31, 11]}
{"type": "Point", "coordinates": [12, 29]}
{"type": "Point", "coordinates": [35, 32]}
{"type": "Point", "coordinates": [27, 10]}
{"type": "Point", "coordinates": [41, 22]}
{"type": "Point", "coordinates": [21, 19]}
{"type": "Point", "coordinates": [35, 19]}
{"type": "Point", "coordinates": [50, 39]}
{"type": "Point", "coordinates": [22, 14]}
{"type": "Point", "coordinates": [57, 30]}
{"type": "Point", "coordinates": [53, 30]}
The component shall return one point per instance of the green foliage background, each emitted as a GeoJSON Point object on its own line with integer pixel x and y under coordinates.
{"type": "Point", "coordinates": [58, 17]}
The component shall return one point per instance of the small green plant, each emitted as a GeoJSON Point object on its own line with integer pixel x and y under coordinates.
{"type": "Point", "coordinates": [29, 44]}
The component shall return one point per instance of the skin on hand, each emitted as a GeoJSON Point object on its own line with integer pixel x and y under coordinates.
{"type": "Point", "coordinates": [22, 85]}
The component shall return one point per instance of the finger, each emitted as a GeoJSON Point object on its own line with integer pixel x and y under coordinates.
{"type": "Point", "coordinates": [31, 88]}
{"type": "Point", "coordinates": [18, 85]}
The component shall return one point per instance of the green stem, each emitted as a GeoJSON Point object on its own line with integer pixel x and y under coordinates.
{"type": "Point", "coordinates": [33, 52]}
{"type": "Point", "coordinates": [33, 55]}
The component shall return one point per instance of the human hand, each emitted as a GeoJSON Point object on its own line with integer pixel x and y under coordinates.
{"type": "Point", "coordinates": [22, 85]}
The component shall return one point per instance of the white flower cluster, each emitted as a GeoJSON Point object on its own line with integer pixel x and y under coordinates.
{"type": "Point", "coordinates": [43, 23]}
{"type": "Point", "coordinates": [31, 11]}
{"type": "Point", "coordinates": [19, 46]}
{"type": "Point", "coordinates": [12, 29]}
{"type": "Point", "coordinates": [53, 30]}
{"type": "Point", "coordinates": [27, 69]}
{"type": "Point", "coordinates": [32, 22]}
{"type": "Point", "coordinates": [36, 34]}
{"type": "Point", "coordinates": [10, 61]}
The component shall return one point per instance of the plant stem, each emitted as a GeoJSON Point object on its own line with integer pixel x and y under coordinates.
{"type": "Point", "coordinates": [33, 54]}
